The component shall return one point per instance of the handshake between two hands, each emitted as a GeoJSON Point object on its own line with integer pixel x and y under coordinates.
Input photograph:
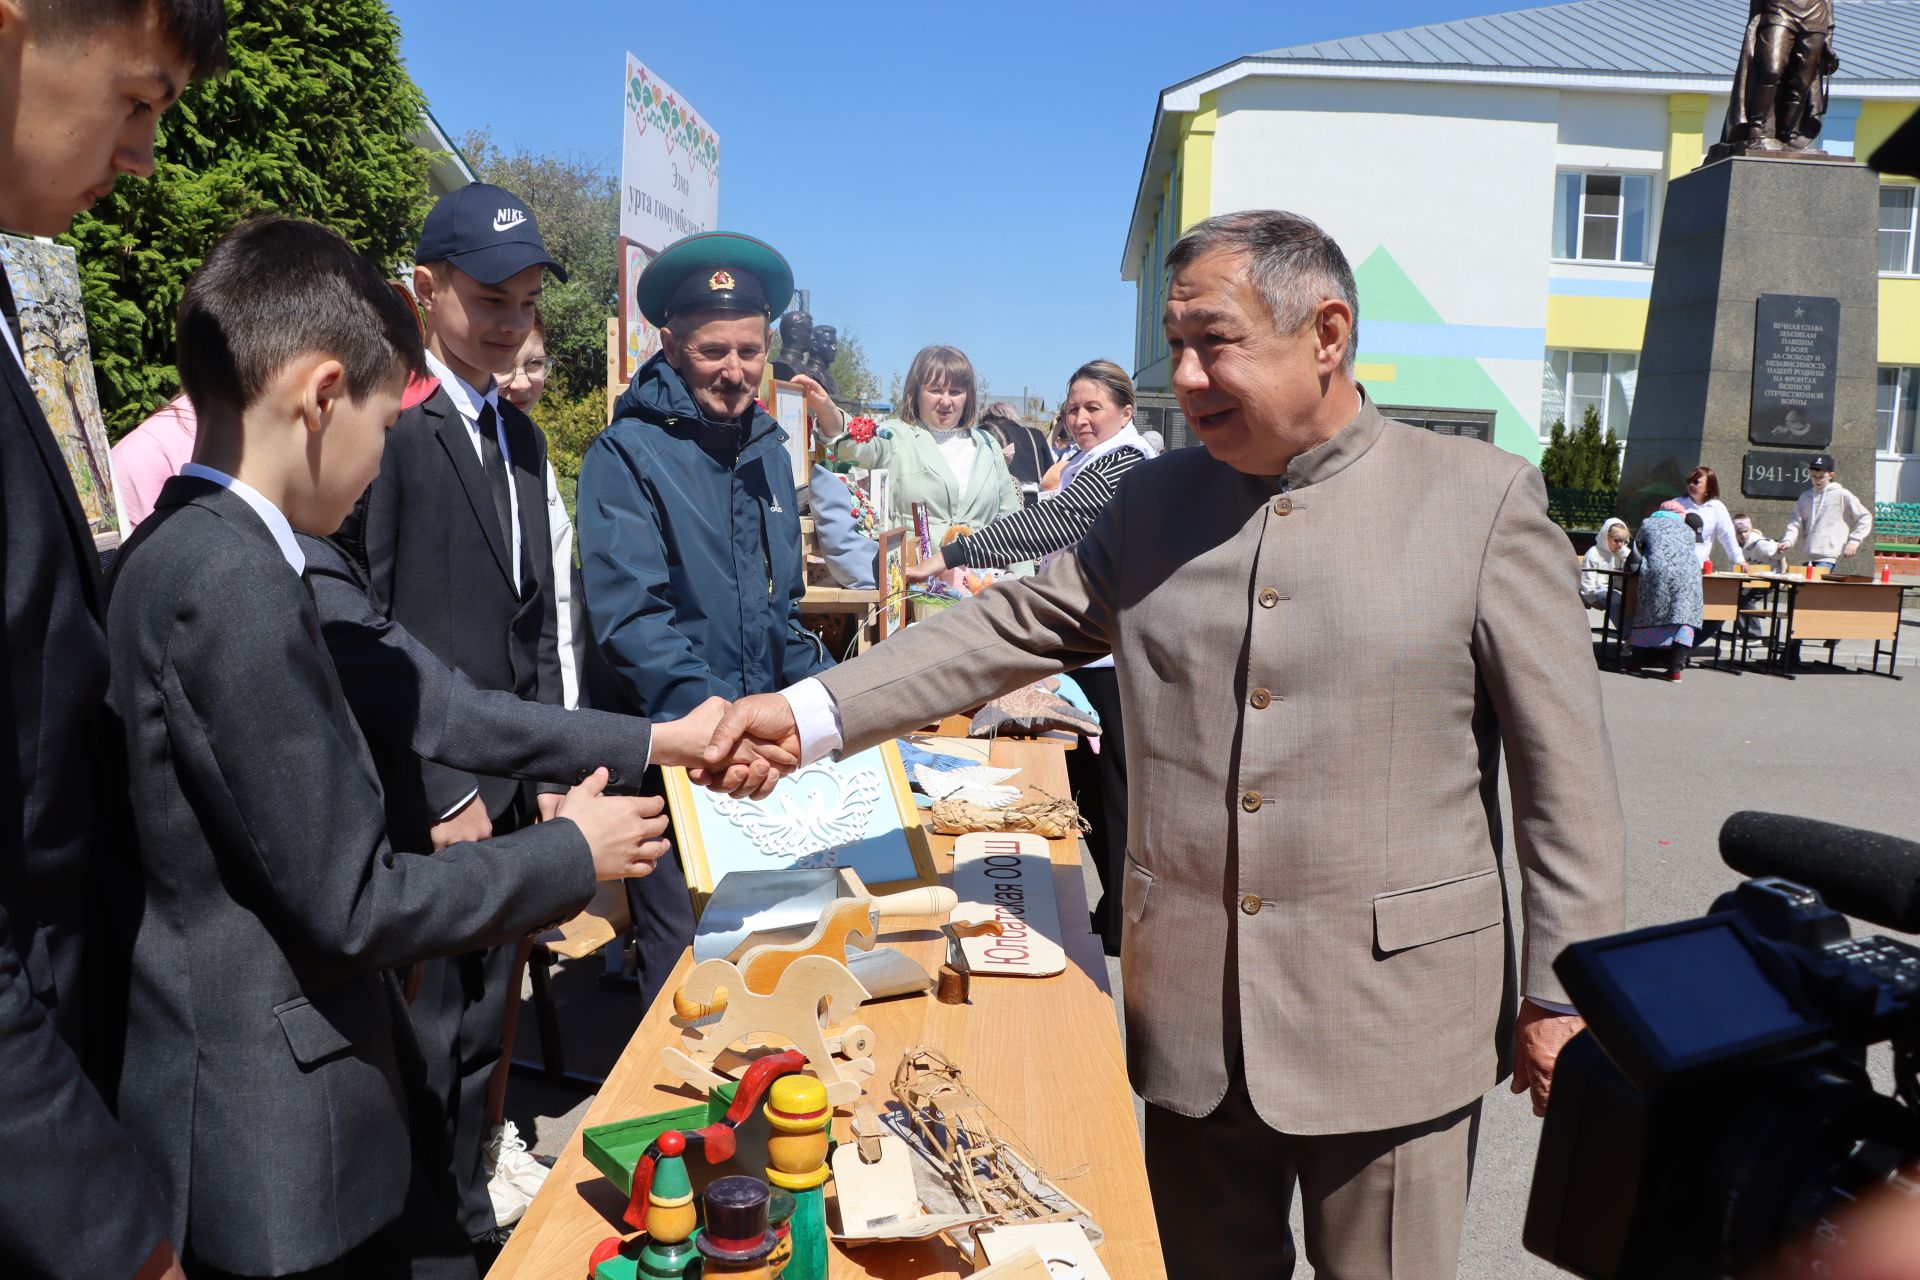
{"type": "Point", "coordinates": [740, 748]}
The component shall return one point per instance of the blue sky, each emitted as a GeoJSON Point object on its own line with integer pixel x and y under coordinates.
{"type": "Point", "coordinates": [935, 173]}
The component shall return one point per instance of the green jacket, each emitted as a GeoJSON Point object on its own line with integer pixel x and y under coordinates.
{"type": "Point", "coordinates": [918, 472]}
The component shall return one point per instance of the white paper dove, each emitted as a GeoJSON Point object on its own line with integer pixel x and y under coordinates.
{"type": "Point", "coordinates": [976, 784]}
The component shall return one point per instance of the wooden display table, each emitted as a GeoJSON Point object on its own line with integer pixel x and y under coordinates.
{"type": "Point", "coordinates": [1830, 608]}
{"type": "Point", "coordinates": [1044, 1053]}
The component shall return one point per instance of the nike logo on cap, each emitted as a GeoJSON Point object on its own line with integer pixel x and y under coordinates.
{"type": "Point", "coordinates": [508, 219]}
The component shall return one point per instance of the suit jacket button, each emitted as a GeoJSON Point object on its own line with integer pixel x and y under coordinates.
{"type": "Point", "coordinates": [1259, 699]}
{"type": "Point", "coordinates": [613, 776]}
{"type": "Point", "coordinates": [1268, 597]}
{"type": "Point", "coordinates": [1251, 802]}
{"type": "Point", "coordinates": [1282, 505]}
{"type": "Point", "coordinates": [1251, 904]}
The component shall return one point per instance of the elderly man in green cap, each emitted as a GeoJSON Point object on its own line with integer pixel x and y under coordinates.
{"type": "Point", "coordinates": [689, 528]}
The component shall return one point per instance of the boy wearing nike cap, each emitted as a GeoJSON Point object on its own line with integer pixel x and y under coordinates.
{"type": "Point", "coordinates": [454, 538]}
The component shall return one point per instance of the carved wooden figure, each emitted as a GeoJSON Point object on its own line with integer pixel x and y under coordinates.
{"type": "Point", "coordinates": [671, 1215]}
{"type": "Point", "coordinates": [796, 1013]}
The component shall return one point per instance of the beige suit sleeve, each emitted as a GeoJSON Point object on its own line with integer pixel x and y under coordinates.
{"type": "Point", "coordinates": [1535, 659]}
{"type": "Point", "coordinates": [1012, 634]}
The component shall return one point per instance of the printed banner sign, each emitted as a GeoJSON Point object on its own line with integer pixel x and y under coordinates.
{"type": "Point", "coordinates": [669, 164]}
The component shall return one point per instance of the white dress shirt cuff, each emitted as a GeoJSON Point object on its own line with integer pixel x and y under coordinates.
{"type": "Point", "coordinates": [1554, 1006]}
{"type": "Point", "coordinates": [465, 801]}
{"type": "Point", "coordinates": [817, 717]}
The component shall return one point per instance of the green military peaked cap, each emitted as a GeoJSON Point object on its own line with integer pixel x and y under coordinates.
{"type": "Point", "coordinates": [715, 271]}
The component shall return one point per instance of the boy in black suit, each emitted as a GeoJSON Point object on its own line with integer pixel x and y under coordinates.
{"type": "Point", "coordinates": [267, 1050]}
{"type": "Point", "coordinates": [82, 85]}
{"type": "Point", "coordinates": [455, 540]}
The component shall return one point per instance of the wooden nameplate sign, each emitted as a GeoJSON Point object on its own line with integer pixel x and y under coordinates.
{"type": "Point", "coordinates": [1012, 873]}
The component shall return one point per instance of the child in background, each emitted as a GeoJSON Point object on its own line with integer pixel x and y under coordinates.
{"type": "Point", "coordinates": [1609, 551]}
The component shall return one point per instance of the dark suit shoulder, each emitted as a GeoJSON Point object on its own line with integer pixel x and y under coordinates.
{"type": "Point", "coordinates": [204, 551]}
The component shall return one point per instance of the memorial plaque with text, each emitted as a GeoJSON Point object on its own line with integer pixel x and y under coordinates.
{"type": "Point", "coordinates": [1769, 473]}
{"type": "Point", "coordinates": [1796, 349]}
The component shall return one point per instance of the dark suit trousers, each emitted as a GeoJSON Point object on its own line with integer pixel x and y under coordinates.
{"type": "Point", "coordinates": [1386, 1205]}
{"type": "Point", "coordinates": [1100, 788]}
{"type": "Point", "coordinates": [662, 910]}
{"type": "Point", "coordinates": [460, 1014]}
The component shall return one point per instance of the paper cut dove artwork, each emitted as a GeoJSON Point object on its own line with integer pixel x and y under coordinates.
{"type": "Point", "coordinates": [809, 816]}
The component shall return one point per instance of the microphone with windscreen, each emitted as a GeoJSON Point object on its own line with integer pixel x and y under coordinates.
{"type": "Point", "coordinates": [1861, 873]}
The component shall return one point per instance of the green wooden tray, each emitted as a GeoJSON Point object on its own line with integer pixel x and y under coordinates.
{"type": "Point", "coordinates": [614, 1149]}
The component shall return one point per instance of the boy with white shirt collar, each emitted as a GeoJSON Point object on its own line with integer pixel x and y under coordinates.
{"type": "Point", "coordinates": [269, 1069]}
{"type": "Point", "coordinates": [455, 538]}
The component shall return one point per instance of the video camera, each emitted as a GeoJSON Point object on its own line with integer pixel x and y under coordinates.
{"type": "Point", "coordinates": [1719, 1103]}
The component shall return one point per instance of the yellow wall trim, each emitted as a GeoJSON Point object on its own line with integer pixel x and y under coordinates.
{"type": "Point", "coordinates": [1596, 324]}
{"type": "Point", "coordinates": [1900, 320]}
{"type": "Point", "coordinates": [1196, 162]}
{"type": "Point", "coordinates": [1376, 372]}
{"type": "Point", "coordinates": [1686, 132]}
{"type": "Point", "coordinates": [1878, 119]}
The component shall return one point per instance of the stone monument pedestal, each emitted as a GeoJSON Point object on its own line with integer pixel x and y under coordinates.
{"type": "Point", "coordinates": [1803, 235]}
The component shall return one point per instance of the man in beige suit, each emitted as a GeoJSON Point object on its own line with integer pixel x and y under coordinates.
{"type": "Point", "coordinates": [1333, 624]}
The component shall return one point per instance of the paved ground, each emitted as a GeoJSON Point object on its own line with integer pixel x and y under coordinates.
{"type": "Point", "coordinates": [1842, 747]}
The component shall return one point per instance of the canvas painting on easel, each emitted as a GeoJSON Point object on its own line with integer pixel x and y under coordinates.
{"type": "Point", "coordinates": [857, 812]}
{"type": "Point", "coordinates": [59, 360]}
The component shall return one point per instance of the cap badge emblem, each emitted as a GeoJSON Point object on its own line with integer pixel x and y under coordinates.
{"type": "Point", "coordinates": [719, 281]}
{"type": "Point", "coordinates": [508, 219]}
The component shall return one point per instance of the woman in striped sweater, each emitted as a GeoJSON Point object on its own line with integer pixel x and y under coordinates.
{"type": "Point", "coordinates": [1099, 412]}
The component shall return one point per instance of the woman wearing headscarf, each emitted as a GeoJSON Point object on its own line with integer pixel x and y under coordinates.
{"type": "Point", "coordinates": [1099, 414]}
{"type": "Point", "coordinates": [1667, 615]}
{"type": "Point", "coordinates": [1609, 551]}
{"type": "Point", "coordinates": [935, 453]}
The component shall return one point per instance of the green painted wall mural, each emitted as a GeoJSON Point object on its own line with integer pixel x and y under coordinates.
{"type": "Point", "coordinates": [1391, 304]}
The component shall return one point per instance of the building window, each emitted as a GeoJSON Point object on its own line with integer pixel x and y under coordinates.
{"type": "Point", "coordinates": [1899, 400]}
{"type": "Point", "coordinates": [1575, 381]}
{"type": "Point", "coordinates": [1896, 230]}
{"type": "Point", "coordinates": [1601, 217]}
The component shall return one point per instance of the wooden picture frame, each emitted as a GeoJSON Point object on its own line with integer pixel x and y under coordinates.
{"type": "Point", "coordinates": [789, 406]}
{"type": "Point", "coordinates": [890, 561]}
{"type": "Point", "coordinates": [714, 836]}
{"type": "Point", "coordinates": [880, 493]}
{"type": "Point", "coordinates": [638, 340]}
{"type": "Point", "coordinates": [57, 354]}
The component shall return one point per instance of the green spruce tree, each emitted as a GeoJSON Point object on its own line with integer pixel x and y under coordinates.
{"type": "Point", "coordinates": [315, 118]}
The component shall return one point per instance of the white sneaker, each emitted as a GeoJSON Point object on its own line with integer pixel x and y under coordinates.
{"type": "Point", "coordinates": [509, 1201]}
{"type": "Point", "coordinates": [509, 1161]}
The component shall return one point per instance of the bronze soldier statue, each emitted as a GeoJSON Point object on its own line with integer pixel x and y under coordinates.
{"type": "Point", "coordinates": [1779, 90]}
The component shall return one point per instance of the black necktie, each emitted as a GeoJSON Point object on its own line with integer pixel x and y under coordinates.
{"type": "Point", "coordinates": [496, 468]}
{"type": "Point", "coordinates": [11, 313]}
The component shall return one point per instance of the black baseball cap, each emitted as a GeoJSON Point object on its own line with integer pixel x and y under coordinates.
{"type": "Point", "coordinates": [486, 231]}
{"type": "Point", "coordinates": [1822, 462]}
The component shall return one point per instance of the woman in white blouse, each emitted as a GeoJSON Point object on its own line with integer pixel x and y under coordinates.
{"type": "Point", "coordinates": [1703, 496]}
